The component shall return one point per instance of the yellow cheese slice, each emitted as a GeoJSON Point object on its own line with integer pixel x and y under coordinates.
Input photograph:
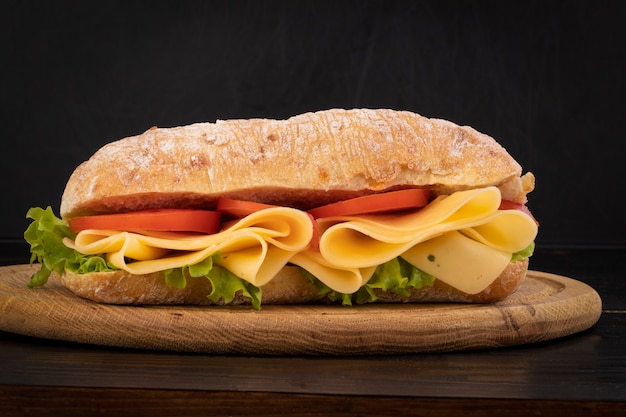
{"type": "Point", "coordinates": [459, 261]}
{"type": "Point", "coordinates": [346, 281]}
{"type": "Point", "coordinates": [506, 230]}
{"type": "Point", "coordinates": [254, 248]}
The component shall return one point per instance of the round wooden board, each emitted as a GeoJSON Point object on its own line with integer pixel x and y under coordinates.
{"type": "Point", "coordinates": [546, 306]}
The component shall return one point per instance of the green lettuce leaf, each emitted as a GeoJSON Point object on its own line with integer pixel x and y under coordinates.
{"type": "Point", "coordinates": [225, 285]}
{"type": "Point", "coordinates": [524, 253]}
{"type": "Point", "coordinates": [396, 275]}
{"type": "Point", "coordinates": [45, 236]}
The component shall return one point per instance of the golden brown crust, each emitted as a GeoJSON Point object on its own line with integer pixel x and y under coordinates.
{"type": "Point", "coordinates": [288, 287]}
{"type": "Point", "coordinates": [309, 159]}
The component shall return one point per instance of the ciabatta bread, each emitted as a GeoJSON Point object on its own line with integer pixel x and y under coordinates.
{"type": "Point", "coordinates": [307, 160]}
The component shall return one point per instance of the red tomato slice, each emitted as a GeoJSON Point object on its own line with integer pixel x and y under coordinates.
{"type": "Point", "coordinates": [239, 208]}
{"type": "Point", "coordinates": [375, 203]}
{"type": "Point", "coordinates": [315, 240]}
{"type": "Point", "coordinates": [177, 220]}
{"type": "Point", "coordinates": [511, 205]}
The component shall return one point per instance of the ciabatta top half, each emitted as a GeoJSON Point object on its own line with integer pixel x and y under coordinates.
{"type": "Point", "coordinates": [304, 161]}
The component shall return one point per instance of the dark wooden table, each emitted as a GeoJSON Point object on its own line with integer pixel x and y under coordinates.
{"type": "Point", "coordinates": [583, 374]}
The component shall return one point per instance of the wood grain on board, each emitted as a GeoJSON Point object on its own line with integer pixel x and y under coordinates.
{"type": "Point", "coordinates": [546, 306]}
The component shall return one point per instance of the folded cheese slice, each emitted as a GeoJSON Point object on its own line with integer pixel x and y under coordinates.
{"type": "Point", "coordinates": [254, 248]}
{"type": "Point", "coordinates": [343, 280]}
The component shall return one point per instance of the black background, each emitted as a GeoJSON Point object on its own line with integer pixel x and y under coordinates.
{"type": "Point", "coordinates": [545, 78]}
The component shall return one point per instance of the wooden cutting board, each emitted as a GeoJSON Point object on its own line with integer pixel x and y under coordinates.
{"type": "Point", "coordinates": [547, 306]}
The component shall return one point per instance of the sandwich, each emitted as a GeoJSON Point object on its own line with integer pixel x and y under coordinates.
{"type": "Point", "coordinates": [335, 206]}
